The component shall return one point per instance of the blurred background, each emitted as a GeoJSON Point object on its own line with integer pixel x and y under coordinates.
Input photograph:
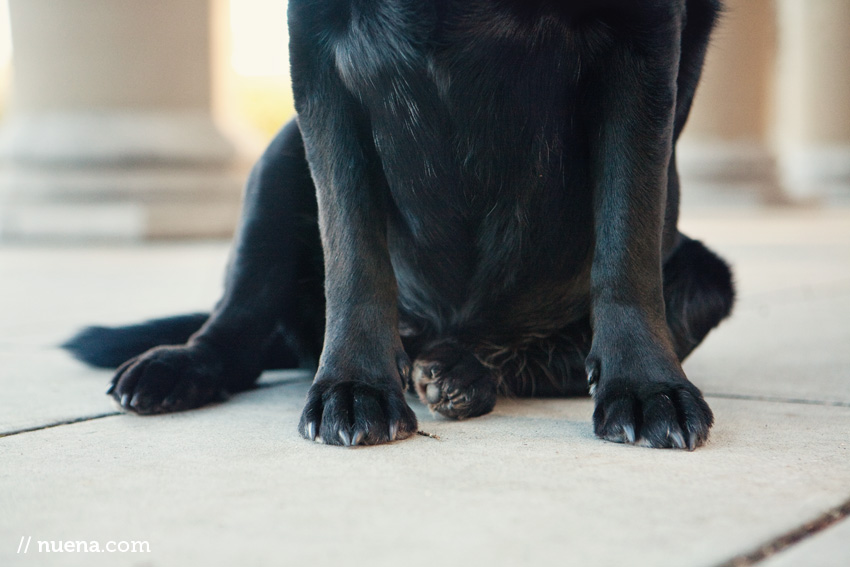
{"type": "Point", "coordinates": [128, 120]}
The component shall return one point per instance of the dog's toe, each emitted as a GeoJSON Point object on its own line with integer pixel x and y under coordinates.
{"type": "Point", "coordinates": [352, 412]}
{"type": "Point", "coordinates": [433, 393]}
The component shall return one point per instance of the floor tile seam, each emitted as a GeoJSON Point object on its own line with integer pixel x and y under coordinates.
{"type": "Point", "coordinates": [58, 423]}
{"type": "Point", "coordinates": [94, 417]}
{"type": "Point", "coordinates": [828, 290]}
{"type": "Point", "coordinates": [791, 538]}
{"type": "Point", "coordinates": [776, 399]}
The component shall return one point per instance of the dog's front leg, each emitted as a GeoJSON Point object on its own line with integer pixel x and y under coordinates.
{"type": "Point", "coordinates": [641, 393]}
{"type": "Point", "coordinates": [357, 397]}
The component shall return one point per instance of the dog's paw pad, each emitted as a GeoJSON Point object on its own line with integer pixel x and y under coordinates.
{"type": "Point", "coordinates": [454, 384]}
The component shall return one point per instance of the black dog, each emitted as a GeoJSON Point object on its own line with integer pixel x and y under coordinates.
{"type": "Point", "coordinates": [486, 188]}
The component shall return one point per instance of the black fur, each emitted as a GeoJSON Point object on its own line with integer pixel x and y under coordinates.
{"type": "Point", "coordinates": [110, 347]}
{"type": "Point", "coordinates": [492, 188]}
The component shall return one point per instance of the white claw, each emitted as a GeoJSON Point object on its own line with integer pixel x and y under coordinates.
{"type": "Point", "coordinates": [346, 440]}
{"type": "Point", "coordinates": [629, 432]}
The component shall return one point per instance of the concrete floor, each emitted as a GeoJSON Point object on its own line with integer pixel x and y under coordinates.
{"type": "Point", "coordinates": [527, 485]}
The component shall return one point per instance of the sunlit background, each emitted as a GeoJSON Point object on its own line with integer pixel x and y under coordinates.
{"type": "Point", "coordinates": [198, 87]}
{"type": "Point", "coordinates": [5, 53]}
{"type": "Point", "coordinates": [251, 73]}
{"type": "Point", "coordinates": [259, 62]}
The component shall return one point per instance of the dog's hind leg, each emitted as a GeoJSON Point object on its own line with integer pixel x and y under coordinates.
{"type": "Point", "coordinates": [273, 286]}
{"type": "Point", "coordinates": [698, 294]}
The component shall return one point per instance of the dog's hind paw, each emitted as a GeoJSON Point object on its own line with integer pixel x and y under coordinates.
{"type": "Point", "coordinates": [168, 379]}
{"type": "Point", "coordinates": [352, 412]}
{"type": "Point", "coordinates": [452, 382]}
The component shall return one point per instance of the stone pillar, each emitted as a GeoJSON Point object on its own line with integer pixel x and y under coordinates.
{"type": "Point", "coordinates": [109, 131]}
{"type": "Point", "coordinates": [813, 98]}
{"type": "Point", "coordinates": [726, 143]}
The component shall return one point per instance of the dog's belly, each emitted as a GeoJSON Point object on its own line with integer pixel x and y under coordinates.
{"type": "Point", "coordinates": [483, 149]}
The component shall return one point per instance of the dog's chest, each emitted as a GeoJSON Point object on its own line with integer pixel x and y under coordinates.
{"type": "Point", "coordinates": [391, 52]}
{"type": "Point", "coordinates": [472, 113]}
{"type": "Point", "coordinates": [463, 93]}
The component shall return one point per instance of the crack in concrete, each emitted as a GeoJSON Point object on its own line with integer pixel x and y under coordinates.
{"type": "Point", "coordinates": [791, 538]}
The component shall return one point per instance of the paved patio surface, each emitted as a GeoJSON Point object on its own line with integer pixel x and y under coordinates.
{"type": "Point", "coordinates": [233, 484]}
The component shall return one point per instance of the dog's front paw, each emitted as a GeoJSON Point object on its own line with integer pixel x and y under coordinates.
{"type": "Point", "coordinates": [654, 412]}
{"type": "Point", "coordinates": [168, 379]}
{"type": "Point", "coordinates": [352, 412]}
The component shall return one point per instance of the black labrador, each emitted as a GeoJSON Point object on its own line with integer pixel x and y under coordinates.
{"type": "Point", "coordinates": [478, 197]}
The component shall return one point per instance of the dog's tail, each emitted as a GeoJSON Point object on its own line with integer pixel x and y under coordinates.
{"type": "Point", "coordinates": [109, 347]}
